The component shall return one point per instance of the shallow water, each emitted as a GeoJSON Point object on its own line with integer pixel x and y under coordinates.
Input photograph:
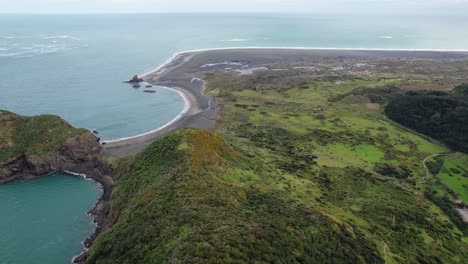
{"type": "Point", "coordinates": [44, 220]}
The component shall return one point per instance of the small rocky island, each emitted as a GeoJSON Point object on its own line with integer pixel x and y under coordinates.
{"type": "Point", "coordinates": [135, 79]}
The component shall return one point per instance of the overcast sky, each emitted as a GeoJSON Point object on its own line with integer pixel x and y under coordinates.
{"type": "Point", "coordinates": [277, 6]}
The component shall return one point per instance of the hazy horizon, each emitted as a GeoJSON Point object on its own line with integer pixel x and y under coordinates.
{"type": "Point", "coordinates": [239, 6]}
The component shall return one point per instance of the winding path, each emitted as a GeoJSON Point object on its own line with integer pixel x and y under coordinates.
{"type": "Point", "coordinates": [425, 166]}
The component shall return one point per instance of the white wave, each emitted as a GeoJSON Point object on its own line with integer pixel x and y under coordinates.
{"type": "Point", "coordinates": [44, 46]}
{"type": "Point", "coordinates": [13, 54]}
{"type": "Point", "coordinates": [77, 174]}
{"type": "Point", "coordinates": [31, 52]}
{"type": "Point", "coordinates": [386, 37]}
{"type": "Point", "coordinates": [14, 37]}
{"type": "Point", "coordinates": [61, 37]}
{"type": "Point", "coordinates": [235, 40]}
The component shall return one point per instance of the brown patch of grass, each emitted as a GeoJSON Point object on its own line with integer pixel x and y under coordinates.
{"type": "Point", "coordinates": [372, 106]}
{"type": "Point", "coordinates": [208, 149]}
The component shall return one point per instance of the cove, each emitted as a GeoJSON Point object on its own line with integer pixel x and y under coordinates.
{"type": "Point", "coordinates": [45, 220]}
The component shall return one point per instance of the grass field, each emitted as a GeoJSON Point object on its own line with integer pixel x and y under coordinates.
{"type": "Point", "coordinates": [322, 145]}
{"type": "Point", "coordinates": [454, 174]}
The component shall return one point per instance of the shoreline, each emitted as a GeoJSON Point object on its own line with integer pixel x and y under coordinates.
{"type": "Point", "coordinates": [177, 73]}
{"type": "Point", "coordinates": [179, 53]}
{"type": "Point", "coordinates": [185, 110]}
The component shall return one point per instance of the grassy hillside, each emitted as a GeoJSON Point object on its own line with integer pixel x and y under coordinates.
{"type": "Point", "coordinates": [22, 135]}
{"type": "Point", "coordinates": [190, 198]}
{"type": "Point", "coordinates": [304, 167]}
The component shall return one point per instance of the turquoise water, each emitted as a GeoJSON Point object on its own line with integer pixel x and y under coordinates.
{"type": "Point", "coordinates": [73, 66]}
{"type": "Point", "coordinates": [44, 220]}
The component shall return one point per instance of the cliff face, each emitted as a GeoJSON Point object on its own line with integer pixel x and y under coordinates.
{"type": "Point", "coordinates": [78, 154]}
{"type": "Point", "coordinates": [35, 146]}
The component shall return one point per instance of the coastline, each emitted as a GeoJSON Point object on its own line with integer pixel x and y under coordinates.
{"type": "Point", "coordinates": [98, 212]}
{"type": "Point", "coordinates": [187, 107]}
{"type": "Point", "coordinates": [179, 71]}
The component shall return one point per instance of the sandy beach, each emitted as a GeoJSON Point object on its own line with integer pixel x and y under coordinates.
{"type": "Point", "coordinates": [184, 72]}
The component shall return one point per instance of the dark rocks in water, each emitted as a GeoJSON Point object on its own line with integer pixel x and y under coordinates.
{"type": "Point", "coordinates": [148, 86]}
{"type": "Point", "coordinates": [95, 131]}
{"type": "Point", "coordinates": [98, 139]}
{"type": "Point", "coordinates": [149, 91]}
{"type": "Point", "coordinates": [135, 79]}
{"type": "Point", "coordinates": [136, 86]}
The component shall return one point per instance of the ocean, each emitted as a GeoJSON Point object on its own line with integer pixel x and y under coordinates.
{"type": "Point", "coordinates": [73, 66]}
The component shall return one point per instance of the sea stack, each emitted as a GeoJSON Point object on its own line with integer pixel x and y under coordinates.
{"type": "Point", "coordinates": [135, 79]}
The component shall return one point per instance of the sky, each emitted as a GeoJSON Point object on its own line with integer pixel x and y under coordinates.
{"type": "Point", "coordinates": [216, 6]}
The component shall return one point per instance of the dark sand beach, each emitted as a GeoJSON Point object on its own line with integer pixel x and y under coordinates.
{"type": "Point", "coordinates": [186, 70]}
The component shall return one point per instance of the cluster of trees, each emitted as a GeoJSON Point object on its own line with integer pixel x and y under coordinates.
{"type": "Point", "coordinates": [441, 115]}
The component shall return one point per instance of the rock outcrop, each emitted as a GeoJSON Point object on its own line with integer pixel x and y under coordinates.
{"type": "Point", "coordinates": [135, 79]}
{"type": "Point", "coordinates": [78, 154]}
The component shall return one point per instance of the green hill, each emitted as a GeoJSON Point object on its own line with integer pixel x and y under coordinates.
{"type": "Point", "coordinates": [191, 198]}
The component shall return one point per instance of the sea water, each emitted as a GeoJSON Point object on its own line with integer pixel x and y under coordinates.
{"type": "Point", "coordinates": [45, 220]}
{"type": "Point", "coordinates": [73, 66]}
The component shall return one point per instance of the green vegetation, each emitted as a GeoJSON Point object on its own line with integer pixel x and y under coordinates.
{"type": "Point", "coordinates": [441, 115]}
{"type": "Point", "coordinates": [304, 167]}
{"type": "Point", "coordinates": [184, 200]}
{"type": "Point", "coordinates": [21, 135]}
{"type": "Point", "coordinates": [454, 174]}
{"type": "Point", "coordinates": [330, 147]}
{"type": "Point", "coordinates": [461, 89]}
